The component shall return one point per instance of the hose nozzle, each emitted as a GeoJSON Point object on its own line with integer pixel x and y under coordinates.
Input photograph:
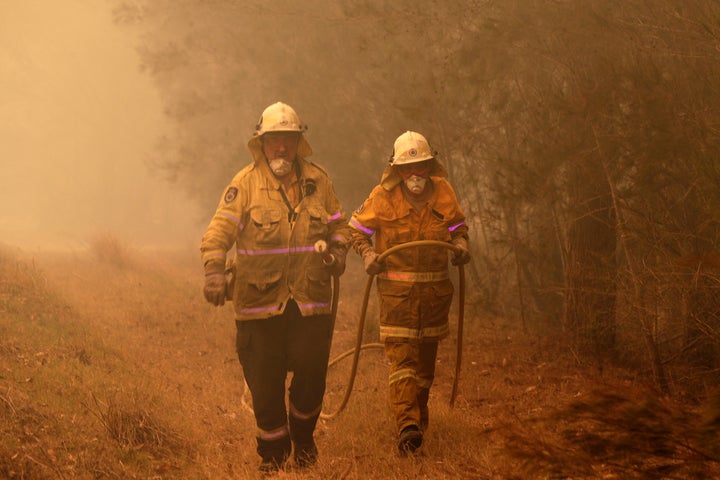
{"type": "Point", "coordinates": [321, 247]}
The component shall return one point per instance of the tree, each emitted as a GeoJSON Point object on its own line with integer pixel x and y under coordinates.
{"type": "Point", "coordinates": [582, 139]}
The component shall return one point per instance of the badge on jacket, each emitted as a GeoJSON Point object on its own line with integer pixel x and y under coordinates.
{"type": "Point", "coordinates": [308, 187]}
{"type": "Point", "coordinates": [231, 194]}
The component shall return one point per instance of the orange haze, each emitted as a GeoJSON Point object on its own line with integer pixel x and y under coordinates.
{"type": "Point", "coordinates": [78, 121]}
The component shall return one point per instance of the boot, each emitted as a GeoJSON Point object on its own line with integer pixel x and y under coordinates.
{"type": "Point", "coordinates": [410, 440]}
{"type": "Point", "coordinates": [301, 431]}
{"type": "Point", "coordinates": [274, 453]}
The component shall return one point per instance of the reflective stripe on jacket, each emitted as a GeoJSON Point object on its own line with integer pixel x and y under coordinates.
{"type": "Point", "coordinates": [275, 258]}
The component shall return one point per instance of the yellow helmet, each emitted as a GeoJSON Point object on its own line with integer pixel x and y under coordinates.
{"type": "Point", "coordinates": [279, 117]}
{"type": "Point", "coordinates": [411, 147]}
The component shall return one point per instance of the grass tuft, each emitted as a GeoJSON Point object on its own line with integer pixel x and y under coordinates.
{"type": "Point", "coordinates": [107, 248]}
{"type": "Point", "coordinates": [133, 425]}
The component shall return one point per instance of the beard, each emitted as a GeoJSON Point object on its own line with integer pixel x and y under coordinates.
{"type": "Point", "coordinates": [280, 167]}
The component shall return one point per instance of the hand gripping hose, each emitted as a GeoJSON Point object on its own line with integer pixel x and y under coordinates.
{"type": "Point", "coordinates": [361, 323]}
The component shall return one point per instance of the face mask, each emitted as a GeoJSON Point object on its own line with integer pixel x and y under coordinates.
{"type": "Point", "coordinates": [415, 184]}
{"type": "Point", "coordinates": [280, 167]}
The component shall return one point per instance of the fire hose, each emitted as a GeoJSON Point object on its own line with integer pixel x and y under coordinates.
{"type": "Point", "coordinates": [363, 312]}
{"type": "Point", "coordinates": [328, 259]}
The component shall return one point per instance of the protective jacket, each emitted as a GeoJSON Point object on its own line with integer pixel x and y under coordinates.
{"type": "Point", "coordinates": [275, 258]}
{"type": "Point", "coordinates": [415, 290]}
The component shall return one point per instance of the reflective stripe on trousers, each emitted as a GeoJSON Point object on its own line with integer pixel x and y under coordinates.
{"type": "Point", "coordinates": [270, 348]}
{"type": "Point", "coordinates": [412, 372]}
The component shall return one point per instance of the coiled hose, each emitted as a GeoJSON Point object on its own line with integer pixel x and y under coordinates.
{"type": "Point", "coordinates": [361, 323]}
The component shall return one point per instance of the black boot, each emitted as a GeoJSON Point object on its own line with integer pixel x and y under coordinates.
{"type": "Point", "coordinates": [274, 454]}
{"type": "Point", "coordinates": [301, 431]}
{"type": "Point", "coordinates": [410, 440]}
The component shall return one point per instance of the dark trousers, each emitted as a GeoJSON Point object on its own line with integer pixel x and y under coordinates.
{"type": "Point", "coordinates": [270, 348]}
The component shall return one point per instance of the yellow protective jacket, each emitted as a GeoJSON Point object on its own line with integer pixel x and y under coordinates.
{"type": "Point", "coordinates": [275, 259]}
{"type": "Point", "coordinates": [415, 290]}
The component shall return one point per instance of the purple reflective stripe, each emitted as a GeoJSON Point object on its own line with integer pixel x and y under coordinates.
{"type": "Point", "coordinates": [304, 306]}
{"type": "Point", "coordinates": [334, 217]}
{"type": "Point", "coordinates": [259, 309]}
{"type": "Point", "coordinates": [275, 251]}
{"type": "Point", "coordinates": [357, 225]}
{"type": "Point", "coordinates": [304, 416]}
{"type": "Point", "coordinates": [233, 218]}
{"type": "Point", "coordinates": [338, 238]}
{"type": "Point", "coordinates": [454, 227]}
{"type": "Point", "coordinates": [275, 434]}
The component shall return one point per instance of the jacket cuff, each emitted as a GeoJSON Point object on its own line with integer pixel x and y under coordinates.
{"type": "Point", "coordinates": [212, 268]}
{"type": "Point", "coordinates": [460, 241]}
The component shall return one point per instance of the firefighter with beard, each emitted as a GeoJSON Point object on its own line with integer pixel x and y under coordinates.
{"type": "Point", "coordinates": [273, 213]}
{"type": "Point", "coordinates": [413, 202]}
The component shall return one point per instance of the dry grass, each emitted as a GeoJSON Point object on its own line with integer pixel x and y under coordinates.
{"type": "Point", "coordinates": [107, 248]}
{"type": "Point", "coordinates": [121, 370]}
{"type": "Point", "coordinates": [128, 420]}
{"type": "Point", "coordinates": [618, 433]}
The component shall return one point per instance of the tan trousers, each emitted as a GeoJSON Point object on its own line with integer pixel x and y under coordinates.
{"type": "Point", "coordinates": [412, 372]}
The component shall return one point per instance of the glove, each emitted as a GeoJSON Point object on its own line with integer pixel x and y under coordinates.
{"type": "Point", "coordinates": [372, 266]}
{"type": "Point", "coordinates": [462, 254]}
{"type": "Point", "coordinates": [337, 267]}
{"type": "Point", "coordinates": [214, 289]}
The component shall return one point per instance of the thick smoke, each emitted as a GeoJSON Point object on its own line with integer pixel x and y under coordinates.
{"type": "Point", "coordinates": [78, 121]}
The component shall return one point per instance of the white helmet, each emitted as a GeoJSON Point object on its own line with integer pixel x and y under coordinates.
{"type": "Point", "coordinates": [411, 147]}
{"type": "Point", "coordinates": [278, 117]}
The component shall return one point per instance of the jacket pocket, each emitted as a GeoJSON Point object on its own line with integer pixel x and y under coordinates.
{"type": "Point", "coordinates": [317, 222]}
{"type": "Point", "coordinates": [266, 225]}
{"type": "Point", "coordinates": [443, 289]}
{"type": "Point", "coordinates": [398, 231]}
{"type": "Point", "coordinates": [396, 303]}
{"type": "Point", "coordinates": [259, 286]}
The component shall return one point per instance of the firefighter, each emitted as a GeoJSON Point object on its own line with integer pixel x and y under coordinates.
{"type": "Point", "coordinates": [272, 213]}
{"type": "Point", "coordinates": [413, 202]}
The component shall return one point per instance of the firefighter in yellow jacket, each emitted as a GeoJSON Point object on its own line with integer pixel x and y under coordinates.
{"type": "Point", "coordinates": [413, 202]}
{"type": "Point", "coordinates": [273, 214]}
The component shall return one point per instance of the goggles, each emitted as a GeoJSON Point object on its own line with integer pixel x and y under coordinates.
{"type": "Point", "coordinates": [421, 169]}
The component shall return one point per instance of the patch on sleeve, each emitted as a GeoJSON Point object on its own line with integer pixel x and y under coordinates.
{"type": "Point", "coordinates": [360, 209]}
{"type": "Point", "coordinates": [231, 194]}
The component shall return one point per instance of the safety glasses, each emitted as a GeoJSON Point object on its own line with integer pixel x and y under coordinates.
{"type": "Point", "coordinates": [421, 169]}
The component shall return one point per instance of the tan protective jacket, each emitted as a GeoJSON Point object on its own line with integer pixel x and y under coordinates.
{"type": "Point", "coordinates": [412, 272]}
{"type": "Point", "coordinates": [275, 258]}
